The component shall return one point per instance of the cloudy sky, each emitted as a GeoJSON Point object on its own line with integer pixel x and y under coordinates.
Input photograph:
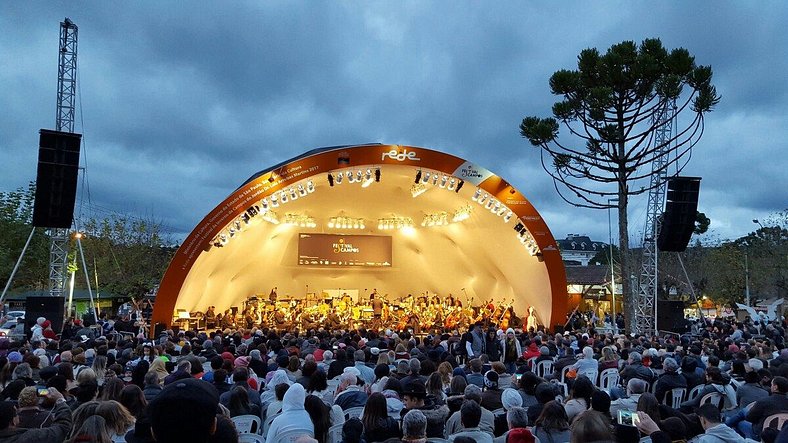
{"type": "Point", "coordinates": [180, 102]}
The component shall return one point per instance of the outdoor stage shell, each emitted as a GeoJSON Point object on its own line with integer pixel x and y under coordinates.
{"type": "Point", "coordinates": [480, 258]}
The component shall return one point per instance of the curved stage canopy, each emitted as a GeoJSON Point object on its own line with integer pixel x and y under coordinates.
{"type": "Point", "coordinates": [499, 247]}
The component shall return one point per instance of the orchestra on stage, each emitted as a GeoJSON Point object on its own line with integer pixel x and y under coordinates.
{"type": "Point", "coordinates": [422, 314]}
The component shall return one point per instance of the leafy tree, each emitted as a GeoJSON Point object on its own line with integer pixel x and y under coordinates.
{"type": "Point", "coordinates": [702, 223]}
{"type": "Point", "coordinates": [129, 255]}
{"type": "Point", "coordinates": [16, 215]}
{"type": "Point", "coordinates": [612, 107]}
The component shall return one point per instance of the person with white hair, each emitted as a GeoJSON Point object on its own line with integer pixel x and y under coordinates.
{"type": "Point", "coordinates": [414, 427]}
{"type": "Point", "coordinates": [635, 388]}
{"type": "Point", "coordinates": [511, 350]}
{"type": "Point", "coordinates": [349, 393]}
{"type": "Point", "coordinates": [635, 369]}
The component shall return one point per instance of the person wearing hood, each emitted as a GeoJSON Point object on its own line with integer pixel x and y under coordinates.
{"type": "Point", "coordinates": [293, 416]}
{"type": "Point", "coordinates": [510, 351]}
{"type": "Point", "coordinates": [691, 372]}
{"type": "Point", "coordinates": [269, 394]}
{"type": "Point", "coordinates": [38, 329]}
{"type": "Point", "coordinates": [714, 383]}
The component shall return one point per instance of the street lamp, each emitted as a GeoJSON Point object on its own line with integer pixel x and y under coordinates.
{"type": "Point", "coordinates": [612, 267]}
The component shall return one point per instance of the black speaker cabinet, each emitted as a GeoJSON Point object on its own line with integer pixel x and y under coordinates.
{"type": "Point", "coordinates": [678, 220]}
{"type": "Point", "coordinates": [51, 308]}
{"type": "Point", "coordinates": [670, 316]}
{"type": "Point", "coordinates": [56, 180]}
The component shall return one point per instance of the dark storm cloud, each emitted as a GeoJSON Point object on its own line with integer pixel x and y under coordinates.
{"type": "Point", "coordinates": [182, 102]}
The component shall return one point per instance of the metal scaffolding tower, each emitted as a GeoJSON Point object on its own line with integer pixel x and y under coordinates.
{"type": "Point", "coordinates": [646, 302]}
{"type": "Point", "coordinates": [64, 121]}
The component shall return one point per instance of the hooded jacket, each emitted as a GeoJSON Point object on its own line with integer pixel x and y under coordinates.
{"type": "Point", "coordinates": [720, 434]}
{"type": "Point", "coordinates": [293, 415]}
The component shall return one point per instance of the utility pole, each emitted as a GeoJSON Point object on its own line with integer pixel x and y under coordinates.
{"type": "Point", "coordinates": [64, 121]}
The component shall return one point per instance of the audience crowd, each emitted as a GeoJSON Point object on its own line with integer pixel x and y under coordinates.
{"type": "Point", "coordinates": [725, 382]}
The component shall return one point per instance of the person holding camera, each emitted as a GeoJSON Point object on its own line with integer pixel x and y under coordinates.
{"type": "Point", "coordinates": [56, 432]}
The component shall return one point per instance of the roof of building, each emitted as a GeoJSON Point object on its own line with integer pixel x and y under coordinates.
{"type": "Point", "coordinates": [587, 275]}
{"type": "Point", "coordinates": [577, 242]}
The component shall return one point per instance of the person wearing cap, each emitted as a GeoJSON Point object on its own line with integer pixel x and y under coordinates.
{"type": "Point", "coordinates": [510, 398]}
{"type": "Point", "coordinates": [57, 431]}
{"type": "Point", "coordinates": [491, 395]}
{"type": "Point", "coordinates": [293, 417]}
{"type": "Point", "coordinates": [470, 416]}
{"type": "Point", "coordinates": [184, 410]}
{"type": "Point", "coordinates": [414, 397]}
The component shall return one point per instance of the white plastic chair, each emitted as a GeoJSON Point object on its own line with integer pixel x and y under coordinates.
{"type": "Point", "coordinates": [354, 412]}
{"type": "Point", "coordinates": [544, 367]}
{"type": "Point", "coordinates": [694, 392]}
{"type": "Point", "coordinates": [247, 424]}
{"type": "Point", "coordinates": [714, 398]}
{"type": "Point", "coordinates": [291, 436]}
{"type": "Point", "coordinates": [776, 420]}
{"type": "Point", "coordinates": [676, 397]}
{"type": "Point", "coordinates": [592, 375]}
{"type": "Point", "coordinates": [250, 438]}
{"type": "Point", "coordinates": [335, 434]}
{"type": "Point", "coordinates": [499, 411]}
{"type": "Point", "coordinates": [267, 424]}
{"type": "Point", "coordinates": [564, 370]}
{"type": "Point", "coordinates": [609, 378]}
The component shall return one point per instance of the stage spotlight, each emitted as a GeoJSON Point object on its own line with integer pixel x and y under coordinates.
{"type": "Point", "coordinates": [274, 201]}
{"type": "Point", "coordinates": [359, 175]}
{"type": "Point", "coordinates": [377, 174]}
{"type": "Point", "coordinates": [367, 178]}
{"type": "Point", "coordinates": [508, 217]}
{"type": "Point", "coordinates": [459, 186]}
{"type": "Point", "coordinates": [476, 195]}
{"type": "Point", "coordinates": [264, 203]}
{"type": "Point", "coordinates": [418, 177]}
{"type": "Point", "coordinates": [331, 180]}
{"type": "Point", "coordinates": [310, 186]}
{"type": "Point", "coordinates": [350, 177]}
{"type": "Point", "coordinates": [426, 177]}
{"type": "Point", "coordinates": [301, 190]}
{"type": "Point", "coordinates": [435, 179]}
{"type": "Point", "coordinates": [293, 194]}
{"type": "Point", "coordinates": [452, 184]}
{"type": "Point", "coordinates": [444, 180]}
{"type": "Point", "coordinates": [339, 178]}
{"type": "Point", "coordinates": [282, 197]}
{"type": "Point", "coordinates": [483, 198]}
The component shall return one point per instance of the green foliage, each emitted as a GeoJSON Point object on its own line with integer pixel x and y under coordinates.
{"type": "Point", "coordinates": [129, 255]}
{"type": "Point", "coordinates": [16, 214]}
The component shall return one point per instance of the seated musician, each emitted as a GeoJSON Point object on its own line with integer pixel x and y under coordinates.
{"type": "Point", "coordinates": [279, 318]}
{"type": "Point", "coordinates": [210, 317]}
{"type": "Point", "coordinates": [333, 321]}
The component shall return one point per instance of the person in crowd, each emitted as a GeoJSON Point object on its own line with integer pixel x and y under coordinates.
{"type": "Point", "coordinates": [635, 388]}
{"type": "Point", "coordinates": [715, 431]}
{"type": "Point", "coordinates": [133, 399]}
{"type": "Point", "coordinates": [509, 399]}
{"type": "Point", "coordinates": [773, 404]}
{"type": "Point", "coordinates": [470, 416]}
{"type": "Point", "coordinates": [111, 389]}
{"type": "Point", "coordinates": [239, 403]}
{"type": "Point", "coordinates": [580, 396]}
{"type": "Point", "coordinates": [544, 393]}
{"type": "Point", "coordinates": [491, 395]}
{"type": "Point", "coordinates": [587, 363]}
{"type": "Point", "coordinates": [487, 422]}
{"type": "Point", "coordinates": [241, 379]}
{"type": "Point", "coordinates": [159, 366]}
{"type": "Point", "coordinates": [152, 386]}
{"type": "Point", "coordinates": [636, 369]}
{"type": "Point", "coordinates": [30, 415]}
{"type": "Point", "coordinates": [600, 402]}
{"type": "Point", "coordinates": [318, 386]}
{"type": "Point", "coordinates": [349, 393]}
{"type": "Point", "coordinates": [366, 373]}
{"type": "Point", "coordinates": [415, 397]}
{"type": "Point", "coordinates": [414, 427]}
{"type": "Point", "coordinates": [275, 406]}
{"type": "Point", "coordinates": [511, 350]}
{"type": "Point", "coordinates": [475, 377]}
{"type": "Point", "coordinates": [552, 425]}
{"type": "Point", "coordinates": [294, 416]}
{"type": "Point", "coordinates": [93, 430]}
{"type": "Point", "coordinates": [691, 372]}
{"type": "Point", "coordinates": [750, 390]}
{"type": "Point", "coordinates": [670, 379]}
{"type": "Point", "coordinates": [378, 425]}
{"type": "Point", "coordinates": [474, 342]}
{"type": "Point", "coordinates": [171, 421]}
{"type": "Point", "coordinates": [323, 416]}
{"type": "Point", "coordinates": [57, 431]}
{"type": "Point", "coordinates": [715, 382]}
{"type": "Point", "coordinates": [353, 431]}
{"type": "Point", "coordinates": [590, 426]}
